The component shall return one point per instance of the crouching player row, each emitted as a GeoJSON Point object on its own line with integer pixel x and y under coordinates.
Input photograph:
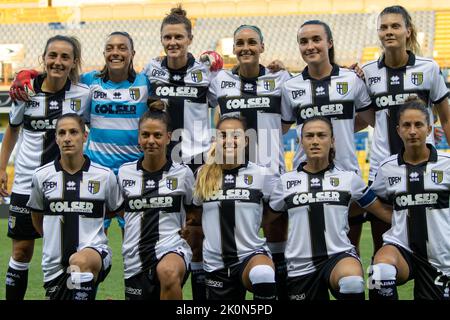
{"type": "Point", "coordinates": [231, 193]}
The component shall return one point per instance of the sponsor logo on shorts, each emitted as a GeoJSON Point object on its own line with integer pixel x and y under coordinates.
{"type": "Point", "coordinates": [18, 209]}
{"type": "Point", "coordinates": [133, 291]}
{"type": "Point", "coordinates": [214, 283]}
{"type": "Point", "coordinates": [301, 296]}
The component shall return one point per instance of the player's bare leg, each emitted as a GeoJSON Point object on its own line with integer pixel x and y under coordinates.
{"type": "Point", "coordinates": [171, 270]}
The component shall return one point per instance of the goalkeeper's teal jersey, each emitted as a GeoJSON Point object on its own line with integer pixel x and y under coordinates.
{"type": "Point", "coordinates": [114, 116]}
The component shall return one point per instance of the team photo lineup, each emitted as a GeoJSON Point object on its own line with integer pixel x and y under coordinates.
{"type": "Point", "coordinates": [187, 156]}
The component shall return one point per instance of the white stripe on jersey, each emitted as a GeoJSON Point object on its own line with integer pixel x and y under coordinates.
{"type": "Point", "coordinates": [112, 148]}
{"type": "Point", "coordinates": [294, 193]}
{"type": "Point", "coordinates": [337, 97]}
{"type": "Point", "coordinates": [146, 241]}
{"type": "Point", "coordinates": [101, 122]}
{"type": "Point", "coordinates": [394, 182]}
{"type": "Point", "coordinates": [97, 190]}
{"type": "Point", "coordinates": [36, 143]}
{"type": "Point", "coordinates": [421, 77]}
{"type": "Point", "coordinates": [251, 185]}
{"type": "Point", "coordinates": [186, 93]}
{"type": "Point", "coordinates": [261, 108]}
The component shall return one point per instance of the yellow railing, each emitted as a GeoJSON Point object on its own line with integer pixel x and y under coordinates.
{"type": "Point", "coordinates": [442, 39]}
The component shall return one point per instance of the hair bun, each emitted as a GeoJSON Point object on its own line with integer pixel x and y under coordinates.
{"type": "Point", "coordinates": [178, 11]}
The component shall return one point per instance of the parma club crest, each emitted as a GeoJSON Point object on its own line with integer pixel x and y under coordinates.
{"type": "Point", "coordinates": [135, 93]}
{"type": "Point", "coordinates": [171, 183]}
{"type": "Point", "coordinates": [334, 182]}
{"type": "Point", "coordinates": [248, 179]}
{"type": "Point", "coordinates": [11, 222]}
{"type": "Point", "coordinates": [417, 78]}
{"type": "Point", "coordinates": [93, 186]}
{"type": "Point", "coordinates": [342, 88]}
{"type": "Point", "coordinates": [269, 85]}
{"type": "Point", "coordinates": [75, 104]}
{"type": "Point", "coordinates": [437, 176]}
{"type": "Point", "coordinates": [197, 76]}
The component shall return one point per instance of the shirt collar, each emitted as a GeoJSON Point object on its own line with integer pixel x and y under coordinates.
{"type": "Point", "coordinates": [189, 64]}
{"type": "Point", "coordinates": [300, 168]}
{"type": "Point", "coordinates": [432, 158]}
{"type": "Point", "coordinates": [85, 167]}
{"type": "Point", "coordinates": [411, 60]}
{"type": "Point", "coordinates": [165, 168]}
{"type": "Point", "coordinates": [334, 72]}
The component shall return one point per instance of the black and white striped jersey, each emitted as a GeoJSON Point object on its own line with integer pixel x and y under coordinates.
{"type": "Point", "coordinates": [420, 196]}
{"type": "Point", "coordinates": [317, 205]}
{"type": "Point", "coordinates": [337, 97]}
{"type": "Point", "coordinates": [186, 91]}
{"type": "Point", "coordinates": [259, 101]}
{"type": "Point", "coordinates": [388, 89]}
{"type": "Point", "coordinates": [36, 143]}
{"type": "Point", "coordinates": [232, 216]}
{"type": "Point", "coordinates": [155, 212]}
{"type": "Point", "coordinates": [73, 206]}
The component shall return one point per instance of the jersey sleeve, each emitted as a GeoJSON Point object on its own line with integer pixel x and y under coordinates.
{"type": "Point", "coordinates": [361, 193]}
{"type": "Point", "coordinates": [270, 181]}
{"type": "Point", "coordinates": [379, 185]}
{"type": "Point", "coordinates": [88, 77]}
{"type": "Point", "coordinates": [189, 182]}
{"type": "Point", "coordinates": [114, 198]}
{"type": "Point", "coordinates": [362, 98]}
{"type": "Point", "coordinates": [36, 200]}
{"type": "Point", "coordinates": [438, 90]}
{"type": "Point", "coordinates": [212, 93]}
{"type": "Point", "coordinates": [16, 113]}
{"type": "Point", "coordinates": [277, 203]}
{"type": "Point", "coordinates": [287, 115]}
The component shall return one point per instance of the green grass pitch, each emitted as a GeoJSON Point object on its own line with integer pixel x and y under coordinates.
{"type": "Point", "coordinates": [113, 286]}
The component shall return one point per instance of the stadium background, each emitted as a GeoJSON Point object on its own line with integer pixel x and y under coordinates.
{"type": "Point", "coordinates": [26, 25]}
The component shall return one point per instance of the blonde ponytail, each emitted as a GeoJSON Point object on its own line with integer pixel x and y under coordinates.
{"type": "Point", "coordinates": [209, 178]}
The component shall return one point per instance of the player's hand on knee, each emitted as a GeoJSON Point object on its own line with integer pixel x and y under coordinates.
{"type": "Point", "coordinates": [3, 183]}
{"type": "Point", "coordinates": [213, 59]}
{"type": "Point", "coordinates": [22, 86]}
{"type": "Point", "coordinates": [276, 65]}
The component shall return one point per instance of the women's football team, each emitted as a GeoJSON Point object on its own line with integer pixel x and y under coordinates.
{"type": "Point", "coordinates": [193, 203]}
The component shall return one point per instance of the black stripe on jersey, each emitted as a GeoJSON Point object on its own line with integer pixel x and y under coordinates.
{"type": "Point", "coordinates": [249, 88]}
{"type": "Point", "coordinates": [70, 220]}
{"type": "Point", "coordinates": [316, 217]}
{"type": "Point", "coordinates": [149, 221]}
{"type": "Point", "coordinates": [417, 215]}
{"type": "Point", "coordinates": [340, 110]}
{"type": "Point", "coordinates": [177, 94]}
{"type": "Point", "coordinates": [331, 197]}
{"type": "Point", "coordinates": [397, 93]}
{"type": "Point", "coordinates": [227, 216]}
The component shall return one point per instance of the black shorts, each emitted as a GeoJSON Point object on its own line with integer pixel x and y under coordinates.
{"type": "Point", "coordinates": [315, 285]}
{"type": "Point", "coordinates": [226, 284]}
{"type": "Point", "coordinates": [429, 283]}
{"type": "Point", "coordinates": [20, 225]}
{"type": "Point", "coordinates": [145, 285]}
{"type": "Point", "coordinates": [61, 287]}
